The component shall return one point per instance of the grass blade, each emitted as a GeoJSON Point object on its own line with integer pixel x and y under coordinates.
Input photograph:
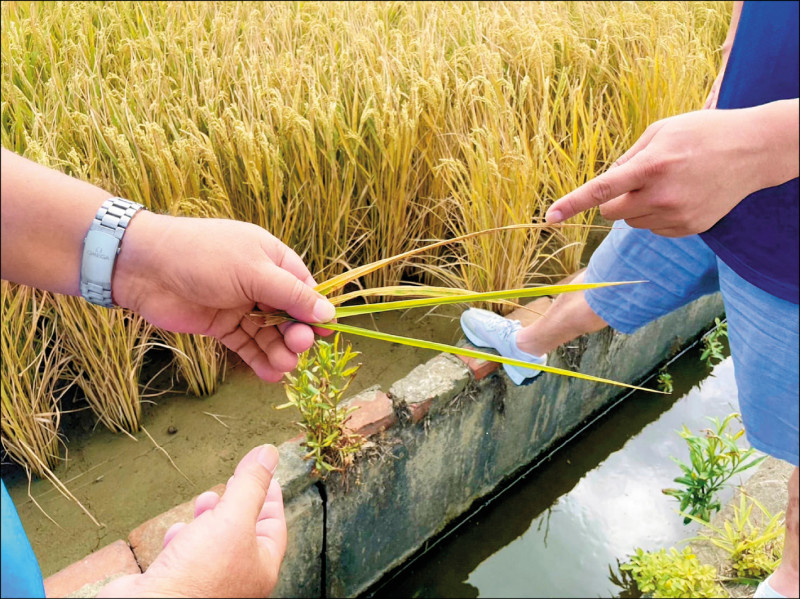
{"type": "Point", "coordinates": [463, 351]}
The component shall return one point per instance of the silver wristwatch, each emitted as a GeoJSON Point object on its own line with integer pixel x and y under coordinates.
{"type": "Point", "coordinates": [101, 246]}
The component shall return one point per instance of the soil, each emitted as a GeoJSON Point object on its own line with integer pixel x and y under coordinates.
{"type": "Point", "coordinates": [126, 481]}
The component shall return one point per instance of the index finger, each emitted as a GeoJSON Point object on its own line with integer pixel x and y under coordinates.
{"type": "Point", "coordinates": [601, 189]}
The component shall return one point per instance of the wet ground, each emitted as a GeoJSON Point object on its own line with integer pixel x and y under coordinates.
{"type": "Point", "coordinates": [125, 482]}
{"type": "Point", "coordinates": [556, 532]}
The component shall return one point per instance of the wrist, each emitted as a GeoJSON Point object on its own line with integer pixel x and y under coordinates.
{"type": "Point", "coordinates": [137, 267]}
{"type": "Point", "coordinates": [774, 129]}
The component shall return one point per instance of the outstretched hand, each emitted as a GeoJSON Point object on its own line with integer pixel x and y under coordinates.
{"type": "Point", "coordinates": [194, 275]}
{"type": "Point", "coordinates": [688, 171]}
{"type": "Point", "coordinates": [233, 548]}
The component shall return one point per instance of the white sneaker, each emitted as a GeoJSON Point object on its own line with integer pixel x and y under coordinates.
{"type": "Point", "coordinates": [765, 590]}
{"type": "Point", "coordinates": [487, 329]}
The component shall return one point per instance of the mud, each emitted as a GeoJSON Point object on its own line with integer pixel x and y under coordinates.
{"type": "Point", "coordinates": [123, 481]}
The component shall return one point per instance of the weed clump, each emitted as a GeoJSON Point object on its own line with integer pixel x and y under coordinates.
{"type": "Point", "coordinates": [316, 389]}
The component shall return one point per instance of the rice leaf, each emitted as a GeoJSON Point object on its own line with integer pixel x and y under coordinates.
{"type": "Point", "coordinates": [345, 311]}
{"type": "Point", "coordinates": [463, 351]}
{"type": "Point", "coordinates": [343, 279]}
{"type": "Point", "coordinates": [399, 291]}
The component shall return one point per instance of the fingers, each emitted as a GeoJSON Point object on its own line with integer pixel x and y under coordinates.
{"type": "Point", "coordinates": [204, 502]}
{"type": "Point", "coordinates": [249, 350]}
{"type": "Point", "coordinates": [627, 206]}
{"type": "Point", "coordinates": [622, 179]}
{"type": "Point", "coordinates": [298, 337]}
{"type": "Point", "coordinates": [245, 494]}
{"type": "Point", "coordinates": [270, 341]}
{"type": "Point", "coordinates": [172, 531]}
{"type": "Point", "coordinates": [291, 262]}
{"type": "Point", "coordinates": [271, 525]}
{"type": "Point", "coordinates": [273, 504]}
{"type": "Point", "coordinates": [282, 290]}
{"type": "Point", "coordinates": [629, 173]}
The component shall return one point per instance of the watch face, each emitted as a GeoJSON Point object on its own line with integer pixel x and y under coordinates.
{"type": "Point", "coordinates": [99, 251]}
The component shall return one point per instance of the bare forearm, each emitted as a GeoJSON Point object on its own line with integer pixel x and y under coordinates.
{"type": "Point", "coordinates": [779, 140]}
{"type": "Point", "coordinates": [45, 216]}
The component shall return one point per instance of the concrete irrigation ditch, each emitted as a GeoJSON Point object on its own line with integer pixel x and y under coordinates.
{"type": "Point", "coordinates": [447, 434]}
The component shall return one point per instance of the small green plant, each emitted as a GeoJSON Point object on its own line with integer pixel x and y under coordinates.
{"type": "Point", "coordinates": [672, 574]}
{"type": "Point", "coordinates": [665, 381]}
{"type": "Point", "coordinates": [754, 552]}
{"type": "Point", "coordinates": [316, 389]}
{"type": "Point", "coordinates": [712, 343]}
{"type": "Point", "coordinates": [715, 457]}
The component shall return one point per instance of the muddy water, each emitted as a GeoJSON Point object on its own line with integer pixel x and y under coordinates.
{"type": "Point", "coordinates": [124, 482]}
{"type": "Point", "coordinates": [555, 531]}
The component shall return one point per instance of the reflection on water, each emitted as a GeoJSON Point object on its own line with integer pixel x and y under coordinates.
{"type": "Point", "coordinates": [555, 533]}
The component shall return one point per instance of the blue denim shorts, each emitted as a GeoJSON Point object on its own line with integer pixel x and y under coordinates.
{"type": "Point", "coordinates": [762, 329]}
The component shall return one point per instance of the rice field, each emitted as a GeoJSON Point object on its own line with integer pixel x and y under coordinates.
{"type": "Point", "coordinates": [353, 131]}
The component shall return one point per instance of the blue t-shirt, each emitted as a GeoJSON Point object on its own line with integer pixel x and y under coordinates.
{"type": "Point", "coordinates": [758, 239]}
{"type": "Point", "coordinates": [21, 576]}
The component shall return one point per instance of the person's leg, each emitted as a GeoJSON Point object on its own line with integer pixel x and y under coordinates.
{"type": "Point", "coordinates": [568, 317]}
{"type": "Point", "coordinates": [764, 340]}
{"type": "Point", "coordinates": [677, 272]}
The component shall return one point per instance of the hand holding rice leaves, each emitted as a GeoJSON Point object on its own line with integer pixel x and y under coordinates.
{"type": "Point", "coordinates": [436, 298]}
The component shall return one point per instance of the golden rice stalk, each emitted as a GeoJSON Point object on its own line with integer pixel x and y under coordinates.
{"type": "Point", "coordinates": [354, 129]}
{"type": "Point", "coordinates": [200, 361]}
{"type": "Point", "coordinates": [464, 351]}
{"type": "Point", "coordinates": [33, 362]}
{"type": "Point", "coordinates": [106, 349]}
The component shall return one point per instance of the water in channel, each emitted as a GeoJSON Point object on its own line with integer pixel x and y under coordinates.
{"type": "Point", "coordinates": [555, 531]}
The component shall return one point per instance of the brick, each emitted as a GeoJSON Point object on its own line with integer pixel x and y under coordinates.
{"type": "Point", "coordinates": [102, 566]}
{"type": "Point", "coordinates": [375, 413]}
{"type": "Point", "coordinates": [147, 540]}
{"type": "Point", "coordinates": [419, 410]}
{"type": "Point", "coordinates": [480, 368]}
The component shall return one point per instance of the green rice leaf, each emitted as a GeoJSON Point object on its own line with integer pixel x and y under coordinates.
{"type": "Point", "coordinates": [399, 291]}
{"type": "Point", "coordinates": [335, 283]}
{"type": "Point", "coordinates": [463, 351]}
{"type": "Point", "coordinates": [345, 311]}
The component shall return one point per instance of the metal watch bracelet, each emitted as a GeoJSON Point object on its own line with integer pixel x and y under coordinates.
{"type": "Point", "coordinates": [101, 246]}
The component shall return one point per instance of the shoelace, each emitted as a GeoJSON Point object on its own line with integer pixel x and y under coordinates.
{"type": "Point", "coordinates": [504, 328]}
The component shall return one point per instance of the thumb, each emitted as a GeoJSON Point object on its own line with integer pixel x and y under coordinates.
{"type": "Point", "coordinates": [282, 290]}
{"type": "Point", "coordinates": [247, 490]}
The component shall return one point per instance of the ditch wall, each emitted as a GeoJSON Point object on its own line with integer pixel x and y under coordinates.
{"type": "Point", "coordinates": [449, 433]}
